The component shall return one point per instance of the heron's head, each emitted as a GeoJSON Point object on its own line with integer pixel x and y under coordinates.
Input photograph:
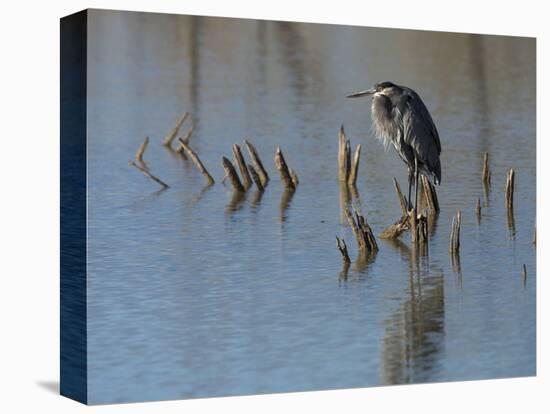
{"type": "Point", "coordinates": [380, 88]}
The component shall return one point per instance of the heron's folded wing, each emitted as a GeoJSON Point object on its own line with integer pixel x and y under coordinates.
{"type": "Point", "coordinates": [419, 132]}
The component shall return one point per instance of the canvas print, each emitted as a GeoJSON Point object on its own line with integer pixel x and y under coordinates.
{"type": "Point", "coordinates": [253, 207]}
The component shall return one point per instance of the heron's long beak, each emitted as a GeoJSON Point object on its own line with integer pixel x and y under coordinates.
{"type": "Point", "coordinates": [368, 92]}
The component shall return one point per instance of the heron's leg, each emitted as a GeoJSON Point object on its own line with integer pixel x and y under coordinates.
{"type": "Point", "coordinates": [415, 184]}
{"type": "Point", "coordinates": [411, 177]}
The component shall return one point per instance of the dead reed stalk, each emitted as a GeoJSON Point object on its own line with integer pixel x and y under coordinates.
{"type": "Point", "coordinates": [354, 166]}
{"type": "Point", "coordinates": [186, 139]}
{"type": "Point", "coordinates": [256, 177]}
{"type": "Point", "coordinates": [196, 160]}
{"type": "Point", "coordinates": [239, 160]}
{"type": "Point", "coordinates": [284, 171]}
{"type": "Point", "coordinates": [454, 244]}
{"type": "Point", "coordinates": [510, 184]}
{"type": "Point", "coordinates": [401, 225]}
{"type": "Point", "coordinates": [141, 150]}
{"type": "Point", "coordinates": [478, 210]}
{"type": "Point", "coordinates": [172, 134]}
{"type": "Point", "coordinates": [524, 275]}
{"type": "Point", "coordinates": [146, 172]}
{"type": "Point", "coordinates": [257, 162]}
{"type": "Point", "coordinates": [232, 174]}
{"type": "Point", "coordinates": [343, 155]}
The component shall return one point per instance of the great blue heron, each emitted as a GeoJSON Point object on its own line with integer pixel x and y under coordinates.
{"type": "Point", "coordinates": [400, 117]}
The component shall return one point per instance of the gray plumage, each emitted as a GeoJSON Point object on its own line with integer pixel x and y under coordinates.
{"type": "Point", "coordinates": [400, 117]}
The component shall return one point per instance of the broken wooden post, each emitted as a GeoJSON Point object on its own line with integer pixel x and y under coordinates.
{"type": "Point", "coordinates": [362, 232]}
{"type": "Point", "coordinates": [196, 160]}
{"type": "Point", "coordinates": [343, 155]}
{"type": "Point", "coordinates": [172, 134]}
{"type": "Point", "coordinates": [354, 166]}
{"type": "Point", "coordinates": [401, 198]}
{"type": "Point", "coordinates": [486, 173]}
{"type": "Point", "coordinates": [429, 194]}
{"type": "Point", "coordinates": [232, 174]}
{"type": "Point", "coordinates": [294, 177]}
{"type": "Point", "coordinates": [146, 172]}
{"type": "Point", "coordinates": [186, 139]}
{"type": "Point", "coordinates": [454, 244]}
{"type": "Point", "coordinates": [239, 160]}
{"type": "Point", "coordinates": [282, 166]}
{"type": "Point", "coordinates": [419, 227]}
{"type": "Point", "coordinates": [256, 177]}
{"type": "Point", "coordinates": [403, 223]}
{"type": "Point", "coordinates": [257, 162]}
{"type": "Point", "coordinates": [343, 248]}
{"type": "Point", "coordinates": [141, 150]}
{"type": "Point", "coordinates": [510, 183]}
{"type": "Point", "coordinates": [396, 229]}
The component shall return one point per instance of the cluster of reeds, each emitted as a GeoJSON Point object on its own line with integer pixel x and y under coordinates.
{"type": "Point", "coordinates": [347, 168]}
{"type": "Point", "coordinates": [252, 172]}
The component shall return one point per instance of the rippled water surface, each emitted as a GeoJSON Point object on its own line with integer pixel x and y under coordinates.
{"type": "Point", "coordinates": [195, 291]}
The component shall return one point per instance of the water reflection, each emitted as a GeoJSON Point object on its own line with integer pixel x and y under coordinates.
{"type": "Point", "coordinates": [196, 198]}
{"type": "Point", "coordinates": [236, 202]}
{"type": "Point", "coordinates": [511, 221]}
{"type": "Point", "coordinates": [413, 334]}
{"type": "Point", "coordinates": [286, 199]}
{"type": "Point", "coordinates": [256, 199]}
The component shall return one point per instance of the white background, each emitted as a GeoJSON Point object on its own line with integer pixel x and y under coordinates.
{"type": "Point", "coordinates": [29, 204]}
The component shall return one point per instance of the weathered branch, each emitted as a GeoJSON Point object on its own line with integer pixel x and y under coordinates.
{"type": "Point", "coordinates": [354, 166]}
{"type": "Point", "coordinates": [454, 245]}
{"type": "Point", "coordinates": [186, 139]}
{"type": "Point", "coordinates": [282, 166]}
{"type": "Point", "coordinates": [419, 227]}
{"type": "Point", "coordinates": [232, 174]}
{"type": "Point", "coordinates": [239, 160]}
{"type": "Point", "coordinates": [172, 134]}
{"type": "Point", "coordinates": [256, 177]}
{"type": "Point", "coordinates": [196, 160]}
{"type": "Point", "coordinates": [396, 229]}
{"type": "Point", "coordinates": [510, 184]}
{"type": "Point", "coordinates": [429, 194]}
{"type": "Point", "coordinates": [257, 162]}
{"type": "Point", "coordinates": [401, 198]}
{"type": "Point", "coordinates": [141, 150]}
{"type": "Point", "coordinates": [146, 172]}
{"type": "Point", "coordinates": [343, 155]}
{"type": "Point", "coordinates": [362, 232]}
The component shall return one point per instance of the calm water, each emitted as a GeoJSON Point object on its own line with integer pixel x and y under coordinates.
{"type": "Point", "coordinates": [194, 292]}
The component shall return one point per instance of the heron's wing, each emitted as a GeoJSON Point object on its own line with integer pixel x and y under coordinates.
{"type": "Point", "coordinates": [420, 133]}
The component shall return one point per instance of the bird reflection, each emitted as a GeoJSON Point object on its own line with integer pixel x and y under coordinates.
{"type": "Point", "coordinates": [413, 333]}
